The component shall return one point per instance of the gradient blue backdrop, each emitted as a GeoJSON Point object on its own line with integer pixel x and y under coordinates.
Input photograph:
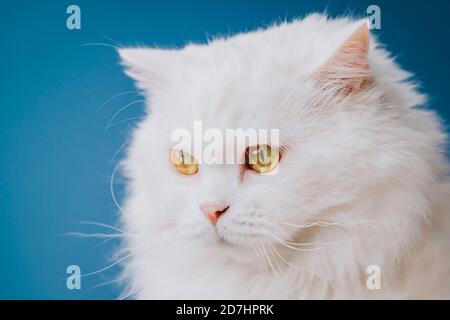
{"type": "Point", "coordinates": [55, 155]}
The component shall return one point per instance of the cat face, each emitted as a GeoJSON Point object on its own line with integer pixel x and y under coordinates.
{"type": "Point", "coordinates": [239, 84]}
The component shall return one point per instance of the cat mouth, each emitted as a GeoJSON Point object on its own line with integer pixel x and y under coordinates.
{"type": "Point", "coordinates": [232, 241]}
{"type": "Point", "coordinates": [221, 239]}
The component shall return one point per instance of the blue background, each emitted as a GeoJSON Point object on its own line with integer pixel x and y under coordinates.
{"type": "Point", "coordinates": [55, 155]}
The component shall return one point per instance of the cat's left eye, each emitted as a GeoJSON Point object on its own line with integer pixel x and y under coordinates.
{"type": "Point", "coordinates": [262, 158]}
{"type": "Point", "coordinates": [184, 162]}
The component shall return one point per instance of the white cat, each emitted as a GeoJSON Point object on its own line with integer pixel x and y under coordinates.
{"type": "Point", "coordinates": [362, 180]}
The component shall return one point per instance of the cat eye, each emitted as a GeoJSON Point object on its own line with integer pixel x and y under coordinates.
{"type": "Point", "coordinates": [262, 158]}
{"type": "Point", "coordinates": [184, 162]}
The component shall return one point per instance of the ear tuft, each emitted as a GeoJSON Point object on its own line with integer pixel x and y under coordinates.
{"type": "Point", "coordinates": [348, 68]}
{"type": "Point", "coordinates": [148, 67]}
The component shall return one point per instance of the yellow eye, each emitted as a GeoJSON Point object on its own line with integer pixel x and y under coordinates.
{"type": "Point", "coordinates": [184, 162]}
{"type": "Point", "coordinates": [262, 158]}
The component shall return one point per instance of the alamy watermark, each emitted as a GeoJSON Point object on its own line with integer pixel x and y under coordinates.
{"type": "Point", "coordinates": [215, 146]}
{"type": "Point", "coordinates": [373, 281]}
{"type": "Point", "coordinates": [73, 21]}
{"type": "Point", "coordinates": [374, 18]}
{"type": "Point", "coordinates": [73, 281]}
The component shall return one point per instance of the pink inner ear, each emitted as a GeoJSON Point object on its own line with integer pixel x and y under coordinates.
{"type": "Point", "coordinates": [348, 68]}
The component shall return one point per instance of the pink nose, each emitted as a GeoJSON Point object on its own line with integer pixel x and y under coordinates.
{"type": "Point", "coordinates": [213, 211]}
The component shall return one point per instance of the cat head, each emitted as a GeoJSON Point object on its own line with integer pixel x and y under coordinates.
{"type": "Point", "coordinates": [315, 81]}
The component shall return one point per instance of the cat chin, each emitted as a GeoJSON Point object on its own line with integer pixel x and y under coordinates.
{"type": "Point", "coordinates": [241, 249]}
{"type": "Point", "coordinates": [241, 253]}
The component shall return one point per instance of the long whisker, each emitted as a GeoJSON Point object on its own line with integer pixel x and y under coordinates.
{"type": "Point", "coordinates": [126, 296]}
{"type": "Point", "coordinates": [328, 223]}
{"type": "Point", "coordinates": [124, 120]}
{"type": "Point", "coordinates": [287, 245]}
{"type": "Point", "coordinates": [268, 260]}
{"type": "Point", "coordinates": [127, 141]}
{"type": "Point", "coordinates": [319, 243]}
{"type": "Point", "coordinates": [108, 266]}
{"type": "Point", "coordinates": [102, 284]}
{"type": "Point", "coordinates": [112, 40]}
{"type": "Point", "coordinates": [115, 97]}
{"type": "Point", "coordinates": [306, 244]}
{"type": "Point", "coordinates": [280, 281]}
{"type": "Point", "coordinates": [100, 243]}
{"type": "Point", "coordinates": [101, 44]}
{"type": "Point", "coordinates": [283, 280]}
{"type": "Point", "coordinates": [259, 265]}
{"type": "Point", "coordinates": [265, 267]}
{"type": "Point", "coordinates": [258, 257]}
{"type": "Point", "coordinates": [104, 225]}
{"type": "Point", "coordinates": [308, 271]}
{"type": "Point", "coordinates": [108, 125]}
{"type": "Point", "coordinates": [111, 189]}
{"type": "Point", "coordinates": [95, 235]}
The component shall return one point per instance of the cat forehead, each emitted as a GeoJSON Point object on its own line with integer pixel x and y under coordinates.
{"type": "Point", "coordinates": [226, 105]}
{"type": "Point", "coordinates": [243, 81]}
{"type": "Point", "coordinates": [299, 46]}
{"type": "Point", "coordinates": [309, 41]}
{"type": "Point", "coordinates": [229, 100]}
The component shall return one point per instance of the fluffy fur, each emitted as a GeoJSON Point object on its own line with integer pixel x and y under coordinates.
{"type": "Point", "coordinates": [363, 179]}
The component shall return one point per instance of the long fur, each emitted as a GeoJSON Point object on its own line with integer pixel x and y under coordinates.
{"type": "Point", "coordinates": [363, 179]}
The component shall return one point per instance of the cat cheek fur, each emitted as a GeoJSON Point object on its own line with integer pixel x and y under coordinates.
{"type": "Point", "coordinates": [363, 180]}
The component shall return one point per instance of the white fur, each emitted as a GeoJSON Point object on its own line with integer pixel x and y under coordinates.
{"type": "Point", "coordinates": [372, 163]}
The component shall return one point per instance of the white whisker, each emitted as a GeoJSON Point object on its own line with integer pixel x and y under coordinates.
{"type": "Point", "coordinates": [285, 244]}
{"type": "Point", "coordinates": [328, 223]}
{"type": "Point", "coordinates": [283, 281]}
{"type": "Point", "coordinates": [88, 44]}
{"type": "Point", "coordinates": [107, 267]}
{"type": "Point", "coordinates": [95, 235]}
{"type": "Point", "coordinates": [104, 225]}
{"type": "Point", "coordinates": [308, 271]}
{"type": "Point", "coordinates": [108, 125]}
{"type": "Point", "coordinates": [127, 295]}
{"type": "Point", "coordinates": [128, 140]}
{"type": "Point", "coordinates": [111, 189]}
{"type": "Point", "coordinates": [125, 120]}
{"type": "Point", "coordinates": [115, 97]}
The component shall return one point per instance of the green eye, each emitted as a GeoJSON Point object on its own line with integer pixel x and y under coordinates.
{"type": "Point", "coordinates": [262, 158]}
{"type": "Point", "coordinates": [184, 162]}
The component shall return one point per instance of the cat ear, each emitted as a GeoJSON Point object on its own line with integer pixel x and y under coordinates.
{"type": "Point", "coordinates": [348, 69]}
{"type": "Point", "coordinates": [150, 68]}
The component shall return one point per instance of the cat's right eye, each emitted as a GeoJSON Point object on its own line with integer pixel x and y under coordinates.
{"type": "Point", "coordinates": [184, 162]}
{"type": "Point", "coordinates": [262, 158]}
